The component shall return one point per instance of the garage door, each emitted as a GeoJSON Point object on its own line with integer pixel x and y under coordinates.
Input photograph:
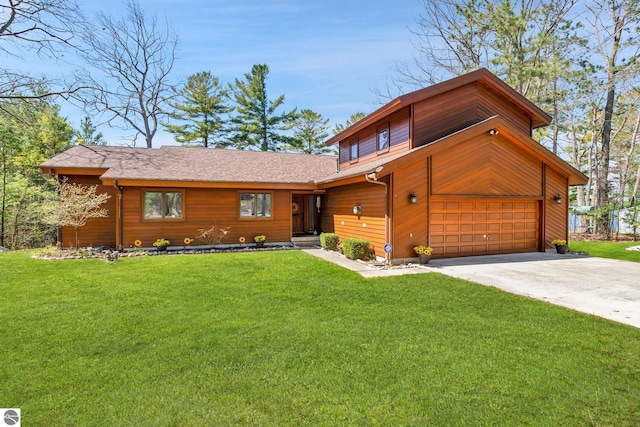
{"type": "Point", "coordinates": [481, 227]}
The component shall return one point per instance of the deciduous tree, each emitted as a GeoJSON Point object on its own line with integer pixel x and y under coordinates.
{"type": "Point", "coordinates": [78, 204]}
{"type": "Point", "coordinates": [131, 58]}
{"type": "Point", "coordinates": [41, 27]}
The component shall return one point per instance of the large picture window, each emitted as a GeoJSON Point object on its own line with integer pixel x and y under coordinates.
{"type": "Point", "coordinates": [163, 205]}
{"type": "Point", "coordinates": [255, 205]}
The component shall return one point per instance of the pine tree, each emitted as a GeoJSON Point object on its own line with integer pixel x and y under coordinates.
{"type": "Point", "coordinates": [256, 124]}
{"type": "Point", "coordinates": [201, 104]}
{"type": "Point", "coordinates": [355, 117]}
{"type": "Point", "coordinates": [87, 134]}
{"type": "Point", "coordinates": [310, 130]}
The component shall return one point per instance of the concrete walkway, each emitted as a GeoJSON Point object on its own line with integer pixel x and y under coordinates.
{"type": "Point", "coordinates": [602, 287]}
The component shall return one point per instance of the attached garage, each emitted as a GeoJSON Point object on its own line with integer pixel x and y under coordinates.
{"type": "Point", "coordinates": [455, 168]}
{"type": "Point", "coordinates": [484, 227]}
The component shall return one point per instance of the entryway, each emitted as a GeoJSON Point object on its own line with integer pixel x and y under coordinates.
{"type": "Point", "coordinates": [304, 214]}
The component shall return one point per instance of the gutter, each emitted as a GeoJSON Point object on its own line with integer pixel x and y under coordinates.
{"type": "Point", "coordinates": [119, 216]}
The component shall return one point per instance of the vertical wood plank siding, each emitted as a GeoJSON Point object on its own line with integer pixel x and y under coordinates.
{"type": "Point", "coordinates": [409, 221]}
{"type": "Point", "coordinates": [556, 221]}
{"type": "Point", "coordinates": [98, 231]}
{"type": "Point", "coordinates": [203, 209]}
{"type": "Point", "coordinates": [337, 213]}
{"type": "Point", "coordinates": [398, 139]}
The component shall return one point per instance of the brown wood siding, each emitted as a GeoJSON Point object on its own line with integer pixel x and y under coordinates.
{"type": "Point", "coordinates": [203, 209]}
{"type": "Point", "coordinates": [441, 115]}
{"type": "Point", "coordinates": [409, 221]}
{"type": "Point", "coordinates": [343, 153]}
{"type": "Point", "coordinates": [467, 227]}
{"type": "Point", "coordinates": [97, 231]}
{"type": "Point", "coordinates": [556, 221]}
{"type": "Point", "coordinates": [491, 104]}
{"type": "Point", "coordinates": [398, 140]}
{"type": "Point", "coordinates": [337, 213]}
{"type": "Point", "coordinates": [486, 166]}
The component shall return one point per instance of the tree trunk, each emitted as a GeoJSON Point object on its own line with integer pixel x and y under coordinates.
{"type": "Point", "coordinates": [4, 195]}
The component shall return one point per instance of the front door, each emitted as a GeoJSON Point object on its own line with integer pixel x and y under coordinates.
{"type": "Point", "coordinates": [297, 213]}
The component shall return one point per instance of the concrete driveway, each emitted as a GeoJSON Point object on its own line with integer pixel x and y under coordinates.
{"type": "Point", "coordinates": [602, 287]}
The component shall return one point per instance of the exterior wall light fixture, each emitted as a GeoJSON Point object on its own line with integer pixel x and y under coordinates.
{"type": "Point", "coordinates": [413, 199]}
{"type": "Point", "coordinates": [557, 199]}
{"type": "Point", "coordinates": [357, 210]}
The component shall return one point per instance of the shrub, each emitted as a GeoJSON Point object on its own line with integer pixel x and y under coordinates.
{"type": "Point", "coordinates": [329, 241]}
{"type": "Point", "coordinates": [356, 248]}
{"type": "Point", "coordinates": [213, 235]}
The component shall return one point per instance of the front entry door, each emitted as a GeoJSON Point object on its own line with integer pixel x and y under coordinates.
{"type": "Point", "coordinates": [297, 212]}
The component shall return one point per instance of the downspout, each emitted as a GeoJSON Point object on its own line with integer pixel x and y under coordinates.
{"type": "Point", "coordinates": [119, 216]}
{"type": "Point", "coordinates": [52, 174]}
{"type": "Point", "coordinates": [372, 178]}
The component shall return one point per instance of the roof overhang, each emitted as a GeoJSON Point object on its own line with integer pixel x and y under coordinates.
{"type": "Point", "coordinates": [310, 186]}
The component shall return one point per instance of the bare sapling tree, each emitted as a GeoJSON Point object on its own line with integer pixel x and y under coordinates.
{"type": "Point", "coordinates": [130, 59]}
{"type": "Point", "coordinates": [78, 204]}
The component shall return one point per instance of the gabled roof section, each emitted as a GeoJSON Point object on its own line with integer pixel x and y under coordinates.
{"type": "Point", "coordinates": [182, 164]}
{"type": "Point", "coordinates": [516, 136]}
{"type": "Point", "coordinates": [483, 76]}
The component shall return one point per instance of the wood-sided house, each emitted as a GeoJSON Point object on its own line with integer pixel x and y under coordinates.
{"type": "Point", "coordinates": [452, 165]}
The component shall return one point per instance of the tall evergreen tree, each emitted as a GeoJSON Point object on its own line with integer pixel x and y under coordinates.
{"type": "Point", "coordinates": [355, 117]}
{"type": "Point", "coordinates": [200, 103]}
{"type": "Point", "coordinates": [310, 130]}
{"type": "Point", "coordinates": [256, 124]}
{"type": "Point", "coordinates": [88, 134]}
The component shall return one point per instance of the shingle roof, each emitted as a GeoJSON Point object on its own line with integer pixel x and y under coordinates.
{"type": "Point", "coordinates": [195, 164]}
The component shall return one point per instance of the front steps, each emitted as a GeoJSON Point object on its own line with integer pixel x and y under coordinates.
{"type": "Point", "coordinates": [306, 241]}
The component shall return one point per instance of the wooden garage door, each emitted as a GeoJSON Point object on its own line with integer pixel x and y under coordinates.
{"type": "Point", "coordinates": [481, 227]}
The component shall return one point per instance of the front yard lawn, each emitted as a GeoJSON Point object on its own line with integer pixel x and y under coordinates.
{"type": "Point", "coordinates": [615, 250]}
{"type": "Point", "coordinates": [283, 338]}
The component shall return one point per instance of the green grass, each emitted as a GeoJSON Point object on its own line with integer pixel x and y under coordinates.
{"type": "Point", "coordinates": [615, 250]}
{"type": "Point", "coordinates": [282, 338]}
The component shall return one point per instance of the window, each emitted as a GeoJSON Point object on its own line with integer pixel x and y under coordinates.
{"type": "Point", "coordinates": [353, 151]}
{"type": "Point", "coordinates": [255, 205]}
{"type": "Point", "coordinates": [383, 139]}
{"type": "Point", "coordinates": [163, 205]}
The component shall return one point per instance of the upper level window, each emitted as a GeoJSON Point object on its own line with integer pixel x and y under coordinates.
{"type": "Point", "coordinates": [255, 205]}
{"type": "Point", "coordinates": [353, 151]}
{"type": "Point", "coordinates": [163, 204]}
{"type": "Point", "coordinates": [383, 139]}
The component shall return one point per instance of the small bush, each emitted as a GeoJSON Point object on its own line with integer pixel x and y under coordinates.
{"type": "Point", "coordinates": [329, 241]}
{"type": "Point", "coordinates": [356, 248]}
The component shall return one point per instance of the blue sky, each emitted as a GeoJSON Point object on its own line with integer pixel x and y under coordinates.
{"type": "Point", "coordinates": [326, 56]}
